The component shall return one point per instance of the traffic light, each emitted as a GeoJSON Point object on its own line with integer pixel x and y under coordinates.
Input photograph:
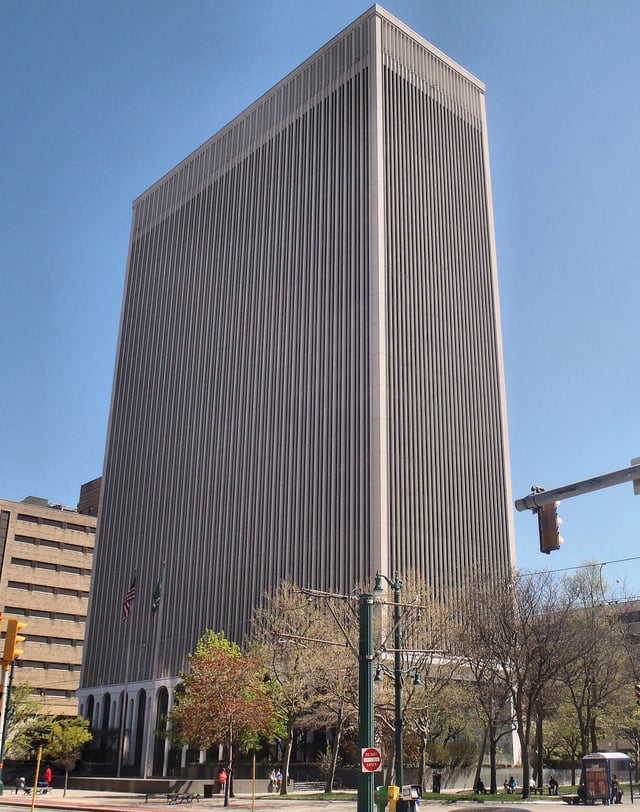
{"type": "Point", "coordinates": [549, 528]}
{"type": "Point", "coordinates": [638, 692]}
{"type": "Point", "coordinates": [12, 640]}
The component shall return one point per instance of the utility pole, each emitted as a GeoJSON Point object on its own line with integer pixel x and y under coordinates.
{"type": "Point", "coordinates": [396, 585]}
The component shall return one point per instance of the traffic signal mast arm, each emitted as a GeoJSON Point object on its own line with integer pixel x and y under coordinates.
{"type": "Point", "coordinates": [538, 499]}
{"type": "Point", "coordinates": [545, 503]}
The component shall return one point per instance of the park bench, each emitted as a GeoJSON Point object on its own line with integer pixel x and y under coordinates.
{"type": "Point", "coordinates": [181, 797]}
{"type": "Point", "coordinates": [571, 799]}
{"type": "Point", "coordinates": [308, 786]}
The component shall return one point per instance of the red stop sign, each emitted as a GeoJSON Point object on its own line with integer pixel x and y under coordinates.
{"type": "Point", "coordinates": [371, 760]}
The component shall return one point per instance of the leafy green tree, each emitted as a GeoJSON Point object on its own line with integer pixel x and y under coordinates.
{"type": "Point", "coordinates": [28, 720]}
{"type": "Point", "coordinates": [628, 727]}
{"type": "Point", "coordinates": [64, 743]}
{"type": "Point", "coordinates": [225, 698]}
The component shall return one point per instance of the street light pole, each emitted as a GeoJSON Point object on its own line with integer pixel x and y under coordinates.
{"type": "Point", "coordinates": [396, 585]}
{"type": "Point", "coordinates": [365, 689]}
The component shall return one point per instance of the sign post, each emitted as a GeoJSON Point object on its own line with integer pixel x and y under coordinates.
{"type": "Point", "coordinates": [365, 692]}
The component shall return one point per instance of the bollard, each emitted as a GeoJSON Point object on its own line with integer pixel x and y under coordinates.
{"type": "Point", "coordinates": [393, 796]}
{"type": "Point", "coordinates": [380, 798]}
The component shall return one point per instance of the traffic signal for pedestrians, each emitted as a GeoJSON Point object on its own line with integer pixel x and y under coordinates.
{"type": "Point", "coordinates": [638, 692]}
{"type": "Point", "coordinates": [549, 528]}
{"type": "Point", "coordinates": [12, 640]}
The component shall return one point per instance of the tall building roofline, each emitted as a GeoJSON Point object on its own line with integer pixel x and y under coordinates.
{"type": "Point", "coordinates": [374, 10]}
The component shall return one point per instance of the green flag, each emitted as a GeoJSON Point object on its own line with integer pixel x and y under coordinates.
{"type": "Point", "coordinates": [155, 600]}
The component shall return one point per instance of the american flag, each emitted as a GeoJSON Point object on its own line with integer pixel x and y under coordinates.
{"type": "Point", "coordinates": [129, 598]}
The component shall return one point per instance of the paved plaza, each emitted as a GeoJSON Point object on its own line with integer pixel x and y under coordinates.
{"type": "Point", "coordinates": [100, 801]}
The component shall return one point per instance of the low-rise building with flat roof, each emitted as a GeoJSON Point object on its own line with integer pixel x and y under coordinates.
{"type": "Point", "coordinates": [46, 558]}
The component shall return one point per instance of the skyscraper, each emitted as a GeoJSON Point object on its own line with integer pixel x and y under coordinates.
{"type": "Point", "coordinates": [309, 379]}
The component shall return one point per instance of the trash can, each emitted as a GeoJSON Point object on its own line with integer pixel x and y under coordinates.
{"type": "Point", "coordinates": [380, 798]}
{"type": "Point", "coordinates": [208, 791]}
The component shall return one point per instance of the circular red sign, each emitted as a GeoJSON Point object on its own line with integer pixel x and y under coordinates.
{"type": "Point", "coordinates": [371, 760]}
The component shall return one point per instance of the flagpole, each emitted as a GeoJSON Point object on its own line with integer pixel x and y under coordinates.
{"type": "Point", "coordinates": [150, 725]}
{"type": "Point", "coordinates": [127, 607]}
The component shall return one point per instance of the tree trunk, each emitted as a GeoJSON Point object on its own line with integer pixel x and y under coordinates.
{"type": "Point", "coordinates": [228, 791]}
{"type": "Point", "coordinates": [422, 768]}
{"type": "Point", "coordinates": [483, 747]}
{"type": "Point", "coordinates": [334, 756]}
{"type": "Point", "coordinates": [286, 761]}
{"type": "Point", "coordinates": [524, 729]}
{"type": "Point", "coordinates": [594, 736]}
{"type": "Point", "coordinates": [388, 769]}
{"type": "Point", "coordinates": [493, 767]}
{"type": "Point", "coordinates": [539, 750]}
{"type": "Point", "coordinates": [391, 766]}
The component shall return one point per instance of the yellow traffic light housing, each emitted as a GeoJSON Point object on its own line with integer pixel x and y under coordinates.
{"type": "Point", "coordinates": [549, 528]}
{"type": "Point", "coordinates": [12, 640]}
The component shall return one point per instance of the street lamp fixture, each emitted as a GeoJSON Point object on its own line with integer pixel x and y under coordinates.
{"type": "Point", "coordinates": [381, 669]}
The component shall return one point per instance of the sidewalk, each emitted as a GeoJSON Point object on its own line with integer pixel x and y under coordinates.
{"type": "Point", "coordinates": [103, 801]}
{"type": "Point", "coordinates": [126, 802]}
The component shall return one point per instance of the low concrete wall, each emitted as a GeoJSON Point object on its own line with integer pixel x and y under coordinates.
{"type": "Point", "coordinates": [160, 786]}
{"type": "Point", "coordinates": [451, 781]}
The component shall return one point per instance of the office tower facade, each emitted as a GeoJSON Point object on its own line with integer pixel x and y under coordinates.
{"type": "Point", "coordinates": [309, 381]}
{"type": "Point", "coordinates": [46, 559]}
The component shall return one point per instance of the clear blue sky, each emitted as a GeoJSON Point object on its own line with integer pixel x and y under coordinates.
{"type": "Point", "coordinates": [100, 99]}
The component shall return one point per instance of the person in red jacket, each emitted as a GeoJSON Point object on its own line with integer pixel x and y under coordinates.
{"type": "Point", "coordinates": [48, 777]}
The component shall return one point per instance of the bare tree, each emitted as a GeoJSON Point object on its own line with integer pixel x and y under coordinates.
{"type": "Point", "coordinates": [491, 698]}
{"type": "Point", "coordinates": [427, 669]}
{"type": "Point", "coordinates": [285, 626]}
{"type": "Point", "coordinates": [523, 629]}
{"type": "Point", "coordinates": [594, 678]}
{"type": "Point", "coordinates": [335, 706]}
{"type": "Point", "coordinates": [562, 739]}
